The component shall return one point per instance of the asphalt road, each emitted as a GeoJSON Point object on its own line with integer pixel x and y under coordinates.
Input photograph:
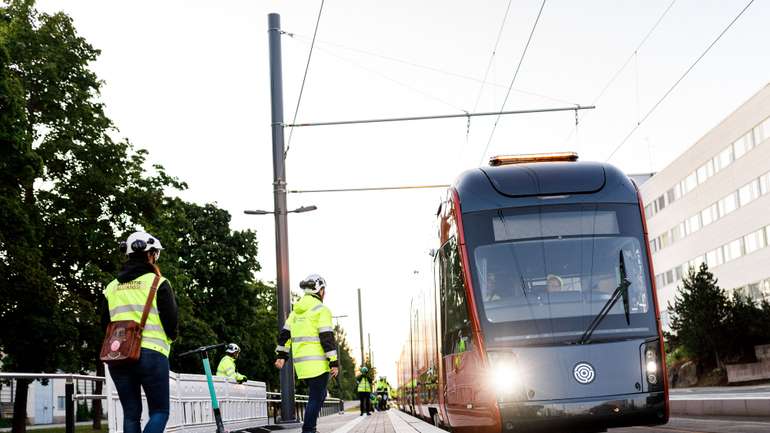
{"type": "Point", "coordinates": [704, 425]}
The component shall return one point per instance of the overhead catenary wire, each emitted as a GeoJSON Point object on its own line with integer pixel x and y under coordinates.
{"type": "Point", "coordinates": [625, 64]}
{"type": "Point", "coordinates": [513, 80]}
{"type": "Point", "coordinates": [304, 77]}
{"type": "Point", "coordinates": [679, 80]}
{"type": "Point", "coordinates": [426, 67]}
{"type": "Point", "coordinates": [393, 80]}
{"type": "Point", "coordinates": [492, 56]}
{"type": "Point", "coordinates": [439, 116]}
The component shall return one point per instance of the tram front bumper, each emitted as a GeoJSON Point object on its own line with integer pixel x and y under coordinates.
{"type": "Point", "coordinates": [584, 414]}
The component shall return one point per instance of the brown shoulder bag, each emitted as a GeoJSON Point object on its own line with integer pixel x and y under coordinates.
{"type": "Point", "coordinates": [123, 342]}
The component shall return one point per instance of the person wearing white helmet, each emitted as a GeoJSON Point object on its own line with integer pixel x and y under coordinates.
{"type": "Point", "coordinates": [124, 299]}
{"type": "Point", "coordinates": [308, 332]}
{"type": "Point", "coordinates": [226, 367]}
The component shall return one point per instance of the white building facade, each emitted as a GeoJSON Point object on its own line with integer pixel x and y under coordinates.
{"type": "Point", "coordinates": [712, 205]}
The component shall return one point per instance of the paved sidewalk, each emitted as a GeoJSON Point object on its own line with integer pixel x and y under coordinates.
{"type": "Point", "coordinates": [391, 421]}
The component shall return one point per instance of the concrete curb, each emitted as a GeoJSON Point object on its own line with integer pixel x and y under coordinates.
{"type": "Point", "coordinates": [717, 407]}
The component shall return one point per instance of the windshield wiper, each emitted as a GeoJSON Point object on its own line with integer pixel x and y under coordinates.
{"type": "Point", "coordinates": [620, 292]}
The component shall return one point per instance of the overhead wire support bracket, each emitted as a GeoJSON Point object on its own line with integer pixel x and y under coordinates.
{"type": "Point", "coordinates": [440, 116]}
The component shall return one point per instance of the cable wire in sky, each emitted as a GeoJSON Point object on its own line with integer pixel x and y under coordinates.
{"type": "Point", "coordinates": [426, 67]}
{"type": "Point", "coordinates": [515, 74]}
{"type": "Point", "coordinates": [304, 77]}
{"type": "Point", "coordinates": [492, 56]}
{"type": "Point", "coordinates": [671, 89]}
{"type": "Point", "coordinates": [632, 56]}
{"type": "Point", "coordinates": [393, 80]}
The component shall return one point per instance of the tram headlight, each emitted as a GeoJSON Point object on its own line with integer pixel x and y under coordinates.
{"type": "Point", "coordinates": [651, 368]}
{"type": "Point", "coordinates": [505, 375]}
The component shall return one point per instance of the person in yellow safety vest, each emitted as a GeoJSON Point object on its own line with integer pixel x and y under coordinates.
{"type": "Point", "coordinates": [364, 391]}
{"type": "Point", "coordinates": [309, 334]}
{"type": "Point", "coordinates": [124, 299]}
{"type": "Point", "coordinates": [383, 392]}
{"type": "Point", "coordinates": [226, 366]}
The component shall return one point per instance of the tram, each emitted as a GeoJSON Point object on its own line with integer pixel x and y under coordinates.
{"type": "Point", "coordinates": [543, 315]}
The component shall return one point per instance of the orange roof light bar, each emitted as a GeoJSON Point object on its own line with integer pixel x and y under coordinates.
{"type": "Point", "coordinates": [532, 157]}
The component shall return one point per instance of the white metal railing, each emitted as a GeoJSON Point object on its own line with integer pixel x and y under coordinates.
{"type": "Point", "coordinates": [242, 405]}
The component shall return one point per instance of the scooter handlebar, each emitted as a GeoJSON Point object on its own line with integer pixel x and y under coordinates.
{"type": "Point", "coordinates": [202, 349]}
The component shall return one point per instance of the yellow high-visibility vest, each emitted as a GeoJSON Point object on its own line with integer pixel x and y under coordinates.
{"type": "Point", "coordinates": [126, 302]}
{"type": "Point", "coordinates": [308, 319]}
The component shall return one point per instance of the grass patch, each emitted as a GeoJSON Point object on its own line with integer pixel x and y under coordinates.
{"type": "Point", "coordinates": [78, 429]}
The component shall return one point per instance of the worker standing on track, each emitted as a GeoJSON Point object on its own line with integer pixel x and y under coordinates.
{"type": "Point", "coordinates": [309, 334]}
{"type": "Point", "coordinates": [226, 366]}
{"type": "Point", "coordinates": [364, 391]}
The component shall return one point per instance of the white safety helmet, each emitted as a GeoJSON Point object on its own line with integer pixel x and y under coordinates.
{"type": "Point", "coordinates": [232, 348]}
{"type": "Point", "coordinates": [313, 283]}
{"type": "Point", "coordinates": [140, 241]}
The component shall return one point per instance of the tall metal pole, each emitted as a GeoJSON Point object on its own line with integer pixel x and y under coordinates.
{"type": "Point", "coordinates": [361, 329]}
{"type": "Point", "coordinates": [370, 348]}
{"type": "Point", "coordinates": [279, 195]}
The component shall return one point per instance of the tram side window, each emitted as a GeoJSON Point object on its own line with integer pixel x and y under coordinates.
{"type": "Point", "coordinates": [454, 313]}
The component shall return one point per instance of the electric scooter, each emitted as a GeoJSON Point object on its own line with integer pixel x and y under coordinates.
{"type": "Point", "coordinates": [204, 355]}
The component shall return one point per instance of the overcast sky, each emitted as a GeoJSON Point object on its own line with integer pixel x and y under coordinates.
{"type": "Point", "coordinates": [188, 80]}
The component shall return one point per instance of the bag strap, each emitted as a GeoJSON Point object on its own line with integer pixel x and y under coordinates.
{"type": "Point", "coordinates": [150, 298]}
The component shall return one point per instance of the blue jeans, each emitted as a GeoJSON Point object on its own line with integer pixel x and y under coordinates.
{"type": "Point", "coordinates": [151, 375]}
{"type": "Point", "coordinates": [317, 393]}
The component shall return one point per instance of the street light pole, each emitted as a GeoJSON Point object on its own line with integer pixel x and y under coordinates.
{"type": "Point", "coordinates": [361, 329]}
{"type": "Point", "coordinates": [279, 197]}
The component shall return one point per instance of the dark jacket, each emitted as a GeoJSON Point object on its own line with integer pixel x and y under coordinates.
{"type": "Point", "coordinates": [165, 299]}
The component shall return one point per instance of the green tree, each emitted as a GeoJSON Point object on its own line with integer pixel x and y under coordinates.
{"type": "Point", "coordinates": [746, 326]}
{"type": "Point", "coordinates": [213, 271]}
{"type": "Point", "coordinates": [699, 314]}
{"type": "Point", "coordinates": [65, 174]}
{"type": "Point", "coordinates": [346, 381]}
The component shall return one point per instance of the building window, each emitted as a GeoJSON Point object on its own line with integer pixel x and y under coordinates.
{"type": "Point", "coordinates": [690, 182]}
{"type": "Point", "coordinates": [709, 215]}
{"type": "Point", "coordinates": [661, 203]}
{"type": "Point", "coordinates": [764, 128]}
{"type": "Point", "coordinates": [726, 157]}
{"type": "Point", "coordinates": [669, 276]}
{"type": "Point", "coordinates": [678, 273]}
{"type": "Point", "coordinates": [648, 213]}
{"type": "Point", "coordinates": [743, 145]}
{"type": "Point", "coordinates": [749, 192]}
{"type": "Point", "coordinates": [705, 171]}
{"type": "Point", "coordinates": [733, 250]}
{"type": "Point", "coordinates": [764, 184]}
{"type": "Point", "coordinates": [714, 257]}
{"type": "Point", "coordinates": [663, 240]}
{"type": "Point", "coordinates": [60, 400]}
{"type": "Point", "coordinates": [693, 223]}
{"type": "Point", "coordinates": [670, 196]}
{"type": "Point", "coordinates": [727, 205]}
{"type": "Point", "coordinates": [754, 241]}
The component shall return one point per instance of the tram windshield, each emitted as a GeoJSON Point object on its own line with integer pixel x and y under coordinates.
{"type": "Point", "coordinates": [542, 274]}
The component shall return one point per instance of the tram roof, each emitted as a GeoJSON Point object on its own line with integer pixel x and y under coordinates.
{"type": "Point", "coordinates": [539, 183]}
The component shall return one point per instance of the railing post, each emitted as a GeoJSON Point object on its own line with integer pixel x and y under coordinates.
{"type": "Point", "coordinates": [69, 406]}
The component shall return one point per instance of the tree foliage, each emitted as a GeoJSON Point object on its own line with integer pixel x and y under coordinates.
{"type": "Point", "coordinates": [713, 328]}
{"type": "Point", "coordinates": [345, 385]}
{"type": "Point", "coordinates": [698, 315]}
{"type": "Point", "coordinates": [69, 190]}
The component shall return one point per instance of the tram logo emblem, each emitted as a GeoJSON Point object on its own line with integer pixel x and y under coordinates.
{"type": "Point", "coordinates": [584, 373]}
